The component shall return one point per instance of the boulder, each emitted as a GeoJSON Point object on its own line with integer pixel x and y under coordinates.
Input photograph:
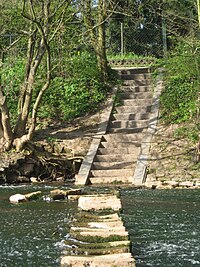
{"type": "Point", "coordinates": [17, 198]}
{"type": "Point", "coordinates": [33, 195]}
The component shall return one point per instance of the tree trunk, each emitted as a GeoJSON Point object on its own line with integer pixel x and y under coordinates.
{"type": "Point", "coordinates": [97, 34]}
{"type": "Point", "coordinates": [7, 135]}
{"type": "Point", "coordinates": [101, 46]}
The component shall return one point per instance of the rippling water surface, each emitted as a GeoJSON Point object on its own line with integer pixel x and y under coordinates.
{"type": "Point", "coordinates": [164, 226]}
{"type": "Point", "coordinates": [31, 233]}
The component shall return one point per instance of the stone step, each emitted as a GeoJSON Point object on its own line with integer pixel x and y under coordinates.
{"type": "Point", "coordinates": [110, 173]}
{"type": "Point", "coordinates": [122, 260]}
{"type": "Point", "coordinates": [137, 82]}
{"type": "Point", "coordinates": [134, 88]}
{"type": "Point", "coordinates": [120, 145]}
{"type": "Point", "coordinates": [111, 180]}
{"type": "Point", "coordinates": [129, 124]}
{"type": "Point", "coordinates": [141, 70]}
{"type": "Point", "coordinates": [128, 130]}
{"type": "Point", "coordinates": [75, 250]}
{"type": "Point", "coordinates": [113, 165]}
{"type": "Point", "coordinates": [116, 150]}
{"type": "Point", "coordinates": [122, 138]}
{"type": "Point", "coordinates": [130, 116]}
{"type": "Point", "coordinates": [136, 102]}
{"type": "Point", "coordinates": [133, 109]}
{"type": "Point", "coordinates": [139, 76]}
{"type": "Point", "coordinates": [135, 95]}
{"type": "Point", "coordinates": [99, 202]}
{"type": "Point", "coordinates": [96, 248]}
{"type": "Point", "coordinates": [116, 158]}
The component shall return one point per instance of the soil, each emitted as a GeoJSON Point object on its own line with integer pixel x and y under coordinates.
{"type": "Point", "coordinates": [172, 158]}
{"type": "Point", "coordinates": [54, 156]}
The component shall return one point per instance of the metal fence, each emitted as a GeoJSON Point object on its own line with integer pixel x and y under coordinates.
{"type": "Point", "coordinates": [127, 38]}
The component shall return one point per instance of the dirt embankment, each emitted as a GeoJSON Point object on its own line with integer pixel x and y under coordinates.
{"type": "Point", "coordinates": [54, 155]}
{"type": "Point", "coordinates": [173, 158]}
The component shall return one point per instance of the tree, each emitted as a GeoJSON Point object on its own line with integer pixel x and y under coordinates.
{"type": "Point", "coordinates": [95, 18]}
{"type": "Point", "coordinates": [40, 18]}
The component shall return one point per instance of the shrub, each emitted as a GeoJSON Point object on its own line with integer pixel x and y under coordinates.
{"type": "Point", "coordinates": [79, 91]}
{"type": "Point", "coordinates": [180, 97]}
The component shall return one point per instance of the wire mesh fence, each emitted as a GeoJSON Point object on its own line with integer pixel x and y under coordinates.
{"type": "Point", "coordinates": [128, 38]}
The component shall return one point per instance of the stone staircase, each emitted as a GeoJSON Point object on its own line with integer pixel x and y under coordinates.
{"type": "Point", "coordinates": [118, 149]}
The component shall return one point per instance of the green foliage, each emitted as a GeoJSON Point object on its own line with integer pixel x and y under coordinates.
{"type": "Point", "coordinates": [75, 94]}
{"type": "Point", "coordinates": [126, 56]}
{"type": "Point", "coordinates": [12, 75]}
{"type": "Point", "coordinates": [180, 97]}
{"type": "Point", "coordinates": [187, 131]}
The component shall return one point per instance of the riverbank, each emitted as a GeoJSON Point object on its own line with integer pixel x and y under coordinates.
{"type": "Point", "coordinates": [173, 160]}
{"type": "Point", "coordinates": [54, 155]}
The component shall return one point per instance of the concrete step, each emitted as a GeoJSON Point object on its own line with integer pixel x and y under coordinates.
{"type": "Point", "coordinates": [111, 180]}
{"type": "Point", "coordinates": [134, 88]}
{"type": "Point", "coordinates": [133, 109]}
{"type": "Point", "coordinates": [113, 165]}
{"type": "Point", "coordinates": [116, 150]}
{"type": "Point", "coordinates": [130, 116]}
{"type": "Point", "coordinates": [128, 124]}
{"type": "Point", "coordinates": [137, 82]}
{"type": "Point", "coordinates": [138, 76]}
{"type": "Point", "coordinates": [122, 138]}
{"type": "Point", "coordinates": [133, 70]}
{"type": "Point", "coordinates": [127, 130]}
{"type": "Point", "coordinates": [135, 95]}
{"type": "Point", "coordinates": [136, 102]}
{"type": "Point", "coordinates": [110, 173]}
{"type": "Point", "coordinates": [120, 145]}
{"type": "Point", "coordinates": [116, 158]}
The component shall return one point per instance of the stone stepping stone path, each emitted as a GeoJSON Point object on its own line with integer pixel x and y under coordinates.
{"type": "Point", "coordinates": [98, 236]}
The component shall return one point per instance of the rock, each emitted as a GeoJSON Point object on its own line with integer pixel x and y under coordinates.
{"type": "Point", "coordinates": [73, 197]}
{"type": "Point", "coordinates": [33, 195]}
{"type": "Point", "coordinates": [99, 202]}
{"type": "Point", "coordinates": [23, 179]}
{"type": "Point", "coordinates": [34, 180]}
{"type": "Point", "coordinates": [186, 184]}
{"type": "Point", "coordinates": [164, 186]}
{"type": "Point", "coordinates": [74, 192]}
{"type": "Point", "coordinates": [172, 183]}
{"type": "Point", "coordinates": [197, 184]}
{"type": "Point", "coordinates": [17, 198]}
{"type": "Point", "coordinates": [58, 194]}
{"type": "Point", "coordinates": [153, 184]}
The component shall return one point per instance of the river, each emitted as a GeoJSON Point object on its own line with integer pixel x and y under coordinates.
{"type": "Point", "coordinates": [163, 226]}
{"type": "Point", "coordinates": [31, 233]}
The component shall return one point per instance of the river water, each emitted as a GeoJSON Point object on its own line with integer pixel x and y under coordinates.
{"type": "Point", "coordinates": [164, 227]}
{"type": "Point", "coordinates": [31, 233]}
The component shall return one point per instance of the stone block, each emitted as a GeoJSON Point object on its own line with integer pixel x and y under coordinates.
{"type": "Point", "coordinates": [99, 202]}
{"type": "Point", "coordinates": [112, 260]}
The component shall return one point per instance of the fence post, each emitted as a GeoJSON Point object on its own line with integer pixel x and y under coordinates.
{"type": "Point", "coordinates": [164, 35]}
{"type": "Point", "coordinates": [122, 38]}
